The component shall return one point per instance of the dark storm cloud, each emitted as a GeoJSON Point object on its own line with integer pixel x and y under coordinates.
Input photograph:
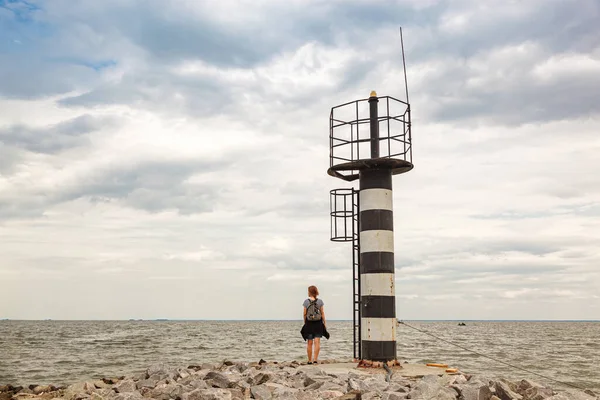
{"type": "Point", "coordinates": [54, 138]}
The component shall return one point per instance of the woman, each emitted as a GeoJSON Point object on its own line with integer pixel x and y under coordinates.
{"type": "Point", "coordinates": [314, 327]}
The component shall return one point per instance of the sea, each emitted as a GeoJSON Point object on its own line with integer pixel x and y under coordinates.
{"type": "Point", "coordinates": [66, 352]}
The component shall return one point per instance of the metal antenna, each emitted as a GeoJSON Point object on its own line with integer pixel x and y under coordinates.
{"type": "Point", "coordinates": [404, 65]}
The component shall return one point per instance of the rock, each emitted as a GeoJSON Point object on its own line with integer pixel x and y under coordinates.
{"type": "Point", "coordinates": [373, 384]}
{"type": "Point", "coordinates": [394, 396]}
{"type": "Point", "coordinates": [397, 387]}
{"type": "Point", "coordinates": [209, 366]}
{"type": "Point", "coordinates": [184, 373]}
{"type": "Point", "coordinates": [315, 385]}
{"type": "Point", "coordinates": [260, 378]}
{"type": "Point", "coordinates": [354, 395]}
{"type": "Point", "coordinates": [260, 392]}
{"type": "Point", "coordinates": [460, 380]}
{"type": "Point", "coordinates": [173, 391]}
{"type": "Point", "coordinates": [241, 384]}
{"type": "Point", "coordinates": [537, 393]}
{"type": "Point", "coordinates": [525, 384]}
{"type": "Point", "coordinates": [261, 362]}
{"type": "Point", "coordinates": [147, 383]}
{"type": "Point", "coordinates": [330, 394]}
{"type": "Point", "coordinates": [505, 392]}
{"type": "Point", "coordinates": [237, 367]}
{"type": "Point", "coordinates": [474, 390]}
{"type": "Point", "coordinates": [208, 394]}
{"type": "Point", "coordinates": [328, 385]}
{"type": "Point", "coordinates": [217, 379]}
{"type": "Point", "coordinates": [429, 388]}
{"type": "Point", "coordinates": [103, 394]}
{"type": "Point", "coordinates": [80, 390]}
{"type": "Point", "coordinates": [125, 386]}
{"type": "Point", "coordinates": [370, 396]}
{"type": "Point", "coordinates": [194, 381]}
{"type": "Point", "coordinates": [43, 389]}
{"type": "Point", "coordinates": [128, 396]}
{"type": "Point", "coordinates": [100, 384]}
{"type": "Point", "coordinates": [236, 394]}
{"type": "Point", "coordinates": [161, 369]}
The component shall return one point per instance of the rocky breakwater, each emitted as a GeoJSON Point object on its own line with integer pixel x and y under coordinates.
{"type": "Point", "coordinates": [289, 380]}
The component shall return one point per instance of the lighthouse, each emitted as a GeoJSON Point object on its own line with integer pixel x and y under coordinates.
{"type": "Point", "coordinates": [370, 141]}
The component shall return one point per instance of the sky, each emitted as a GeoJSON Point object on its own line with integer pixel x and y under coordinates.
{"type": "Point", "coordinates": [168, 159]}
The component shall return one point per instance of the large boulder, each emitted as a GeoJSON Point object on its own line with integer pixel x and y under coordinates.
{"type": "Point", "coordinates": [161, 369]}
{"type": "Point", "coordinates": [208, 394]}
{"type": "Point", "coordinates": [261, 392]}
{"type": "Point", "coordinates": [393, 396]}
{"type": "Point", "coordinates": [172, 391]}
{"type": "Point", "coordinates": [39, 389]}
{"type": "Point", "coordinates": [330, 394]}
{"type": "Point", "coordinates": [80, 390]}
{"type": "Point", "coordinates": [146, 383]}
{"type": "Point", "coordinates": [260, 377]}
{"type": "Point", "coordinates": [373, 384]}
{"type": "Point", "coordinates": [125, 386]}
{"type": "Point", "coordinates": [103, 394]}
{"type": "Point", "coordinates": [475, 390]}
{"type": "Point", "coordinates": [430, 387]}
{"type": "Point", "coordinates": [537, 393]}
{"type": "Point", "coordinates": [217, 379]}
{"type": "Point", "coordinates": [504, 390]}
{"type": "Point", "coordinates": [397, 387]}
{"type": "Point", "coordinates": [128, 396]}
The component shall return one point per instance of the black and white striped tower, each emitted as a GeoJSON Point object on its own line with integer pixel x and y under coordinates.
{"type": "Point", "coordinates": [376, 283]}
{"type": "Point", "coordinates": [376, 226]}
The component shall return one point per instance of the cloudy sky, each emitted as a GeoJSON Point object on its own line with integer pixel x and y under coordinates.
{"type": "Point", "coordinates": [156, 157]}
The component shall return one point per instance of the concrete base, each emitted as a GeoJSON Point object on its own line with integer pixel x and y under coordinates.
{"type": "Point", "coordinates": [405, 370]}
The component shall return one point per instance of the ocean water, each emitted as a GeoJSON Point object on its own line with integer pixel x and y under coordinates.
{"type": "Point", "coordinates": [65, 352]}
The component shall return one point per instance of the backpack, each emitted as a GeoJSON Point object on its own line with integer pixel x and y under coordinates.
{"type": "Point", "coordinates": [313, 313]}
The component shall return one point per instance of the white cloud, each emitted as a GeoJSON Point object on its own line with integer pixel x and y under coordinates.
{"type": "Point", "coordinates": [182, 155]}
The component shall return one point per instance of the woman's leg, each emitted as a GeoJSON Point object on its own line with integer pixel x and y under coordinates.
{"type": "Point", "coordinates": [317, 348]}
{"type": "Point", "coordinates": [309, 346]}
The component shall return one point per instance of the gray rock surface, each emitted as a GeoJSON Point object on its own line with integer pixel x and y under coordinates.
{"type": "Point", "coordinates": [261, 392]}
{"type": "Point", "coordinates": [505, 391]}
{"type": "Point", "coordinates": [126, 386]}
{"type": "Point", "coordinates": [289, 381]}
{"type": "Point", "coordinates": [217, 379]}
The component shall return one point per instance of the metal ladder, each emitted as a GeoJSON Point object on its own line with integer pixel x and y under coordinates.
{"type": "Point", "coordinates": [356, 275]}
{"type": "Point", "coordinates": [344, 209]}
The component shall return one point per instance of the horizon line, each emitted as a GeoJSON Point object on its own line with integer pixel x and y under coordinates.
{"type": "Point", "coordinates": [298, 320]}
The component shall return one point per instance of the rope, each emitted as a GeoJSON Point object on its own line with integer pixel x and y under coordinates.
{"type": "Point", "coordinates": [388, 376]}
{"type": "Point", "coordinates": [491, 358]}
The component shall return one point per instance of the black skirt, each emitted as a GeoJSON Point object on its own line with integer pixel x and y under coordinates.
{"type": "Point", "coordinates": [314, 328]}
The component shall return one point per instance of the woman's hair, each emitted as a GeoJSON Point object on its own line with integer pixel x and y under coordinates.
{"type": "Point", "coordinates": [313, 291]}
